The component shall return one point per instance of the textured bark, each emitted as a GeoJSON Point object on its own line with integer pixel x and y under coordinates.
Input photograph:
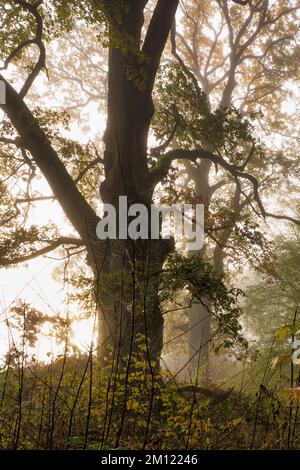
{"type": "Point", "coordinates": [129, 311]}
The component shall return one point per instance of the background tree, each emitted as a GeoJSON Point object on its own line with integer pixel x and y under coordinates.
{"type": "Point", "coordinates": [244, 63]}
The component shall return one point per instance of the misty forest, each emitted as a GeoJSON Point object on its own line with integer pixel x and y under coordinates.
{"type": "Point", "coordinates": [149, 342]}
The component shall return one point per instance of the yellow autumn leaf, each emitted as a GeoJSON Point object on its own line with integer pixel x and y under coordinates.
{"type": "Point", "coordinates": [280, 360]}
{"type": "Point", "coordinates": [234, 422]}
{"type": "Point", "coordinates": [292, 392]}
{"type": "Point", "coordinates": [282, 332]}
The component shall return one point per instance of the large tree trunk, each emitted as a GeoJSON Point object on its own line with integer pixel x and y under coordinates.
{"type": "Point", "coordinates": [199, 315]}
{"type": "Point", "coordinates": [130, 318]}
{"type": "Point", "coordinates": [127, 272]}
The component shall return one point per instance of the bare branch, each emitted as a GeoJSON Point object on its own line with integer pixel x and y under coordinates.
{"type": "Point", "coordinates": [91, 165]}
{"type": "Point", "coordinates": [186, 70]}
{"type": "Point", "coordinates": [241, 2]}
{"type": "Point", "coordinates": [37, 40]}
{"type": "Point", "coordinates": [169, 140]}
{"type": "Point", "coordinates": [43, 251]}
{"type": "Point", "coordinates": [164, 163]}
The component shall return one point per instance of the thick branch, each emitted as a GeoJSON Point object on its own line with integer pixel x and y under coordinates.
{"type": "Point", "coordinates": [43, 251]}
{"type": "Point", "coordinates": [157, 34]}
{"type": "Point", "coordinates": [164, 164]}
{"type": "Point", "coordinates": [241, 2]}
{"type": "Point", "coordinates": [76, 208]}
